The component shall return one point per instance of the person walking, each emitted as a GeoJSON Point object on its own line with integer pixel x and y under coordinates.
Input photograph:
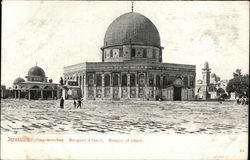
{"type": "Point", "coordinates": [79, 103]}
{"type": "Point", "coordinates": [74, 103]}
{"type": "Point", "coordinates": [62, 103]}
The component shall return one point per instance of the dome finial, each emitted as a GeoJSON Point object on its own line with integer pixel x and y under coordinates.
{"type": "Point", "coordinates": [132, 7]}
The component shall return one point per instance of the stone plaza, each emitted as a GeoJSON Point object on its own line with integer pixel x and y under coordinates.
{"type": "Point", "coordinates": [168, 117]}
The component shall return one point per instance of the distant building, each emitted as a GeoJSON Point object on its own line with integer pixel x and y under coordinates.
{"type": "Point", "coordinates": [36, 86]}
{"type": "Point", "coordinates": [132, 66]}
{"type": "Point", "coordinates": [3, 91]}
{"type": "Point", "coordinates": [210, 87]}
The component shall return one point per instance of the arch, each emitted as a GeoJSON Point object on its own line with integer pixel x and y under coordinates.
{"type": "Point", "coordinates": [220, 91]}
{"type": "Point", "coordinates": [106, 80]}
{"type": "Point", "coordinates": [35, 86]}
{"type": "Point", "coordinates": [48, 88]}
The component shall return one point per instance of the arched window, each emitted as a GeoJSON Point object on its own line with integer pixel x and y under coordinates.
{"type": "Point", "coordinates": [144, 53]}
{"type": "Point", "coordinates": [186, 81]}
{"type": "Point", "coordinates": [124, 80]}
{"type": "Point", "coordinates": [141, 80]}
{"type": "Point", "coordinates": [191, 81]}
{"type": "Point", "coordinates": [120, 52]}
{"type": "Point", "coordinates": [133, 52]}
{"type": "Point", "coordinates": [151, 80]}
{"type": "Point", "coordinates": [99, 80]}
{"type": "Point", "coordinates": [90, 79]}
{"type": "Point", "coordinates": [107, 80]}
{"type": "Point", "coordinates": [111, 53]}
{"type": "Point", "coordinates": [132, 80]}
{"type": "Point", "coordinates": [35, 87]}
{"type": "Point", "coordinates": [115, 80]}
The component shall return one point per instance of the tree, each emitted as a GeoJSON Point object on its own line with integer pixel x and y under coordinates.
{"type": "Point", "coordinates": [217, 78]}
{"type": "Point", "coordinates": [239, 84]}
{"type": "Point", "coordinates": [237, 73]}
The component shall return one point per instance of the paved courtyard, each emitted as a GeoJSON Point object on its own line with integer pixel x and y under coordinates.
{"type": "Point", "coordinates": [23, 116]}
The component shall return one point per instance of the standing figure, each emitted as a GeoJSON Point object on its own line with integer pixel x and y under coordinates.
{"type": "Point", "coordinates": [62, 103]}
{"type": "Point", "coordinates": [74, 103]}
{"type": "Point", "coordinates": [79, 103]}
{"type": "Point", "coordinates": [61, 81]}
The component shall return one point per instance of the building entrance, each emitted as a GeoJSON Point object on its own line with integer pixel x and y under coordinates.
{"type": "Point", "coordinates": [177, 93]}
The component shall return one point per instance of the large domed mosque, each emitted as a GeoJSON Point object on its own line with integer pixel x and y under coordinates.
{"type": "Point", "coordinates": [36, 86]}
{"type": "Point", "coordinates": [131, 66]}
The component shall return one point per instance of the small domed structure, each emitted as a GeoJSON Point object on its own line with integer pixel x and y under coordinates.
{"type": "Point", "coordinates": [36, 71]}
{"type": "Point", "coordinates": [213, 75]}
{"type": "Point", "coordinates": [206, 65]}
{"type": "Point", "coordinates": [18, 80]}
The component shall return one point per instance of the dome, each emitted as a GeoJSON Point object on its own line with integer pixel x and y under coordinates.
{"type": "Point", "coordinates": [213, 75]}
{"type": "Point", "coordinates": [18, 80]}
{"type": "Point", "coordinates": [132, 28]}
{"type": "Point", "coordinates": [36, 71]}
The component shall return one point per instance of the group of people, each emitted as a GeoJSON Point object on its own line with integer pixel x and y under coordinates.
{"type": "Point", "coordinates": [78, 105]}
{"type": "Point", "coordinates": [243, 100]}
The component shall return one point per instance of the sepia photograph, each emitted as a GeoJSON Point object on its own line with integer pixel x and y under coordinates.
{"type": "Point", "coordinates": [125, 80]}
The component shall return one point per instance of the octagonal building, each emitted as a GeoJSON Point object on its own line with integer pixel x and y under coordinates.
{"type": "Point", "coordinates": [131, 66]}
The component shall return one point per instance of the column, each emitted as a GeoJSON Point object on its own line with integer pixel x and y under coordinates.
{"type": "Point", "coordinates": [52, 94]}
{"type": "Point", "coordinates": [85, 87]}
{"type": "Point", "coordinates": [103, 87]}
{"type": "Point", "coordinates": [188, 80]}
{"type": "Point", "coordinates": [15, 94]}
{"type": "Point", "coordinates": [145, 91]}
{"type": "Point", "coordinates": [154, 86]}
{"type": "Point", "coordinates": [161, 86]}
{"type": "Point", "coordinates": [161, 81]}
{"type": "Point", "coordinates": [19, 94]}
{"type": "Point", "coordinates": [82, 88]}
{"type": "Point", "coordinates": [128, 84]}
{"type": "Point", "coordinates": [111, 86]}
{"type": "Point", "coordinates": [119, 85]}
{"type": "Point", "coordinates": [137, 85]}
{"type": "Point", "coordinates": [41, 94]}
{"type": "Point", "coordinates": [29, 94]}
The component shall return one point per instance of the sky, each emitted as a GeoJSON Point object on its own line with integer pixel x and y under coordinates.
{"type": "Point", "coordinates": [56, 34]}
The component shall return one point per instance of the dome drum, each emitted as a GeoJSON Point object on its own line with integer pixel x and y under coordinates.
{"type": "Point", "coordinates": [132, 52]}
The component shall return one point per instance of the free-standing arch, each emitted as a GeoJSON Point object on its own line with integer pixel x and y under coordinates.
{"type": "Point", "coordinates": [35, 92]}
{"type": "Point", "coordinates": [47, 92]}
